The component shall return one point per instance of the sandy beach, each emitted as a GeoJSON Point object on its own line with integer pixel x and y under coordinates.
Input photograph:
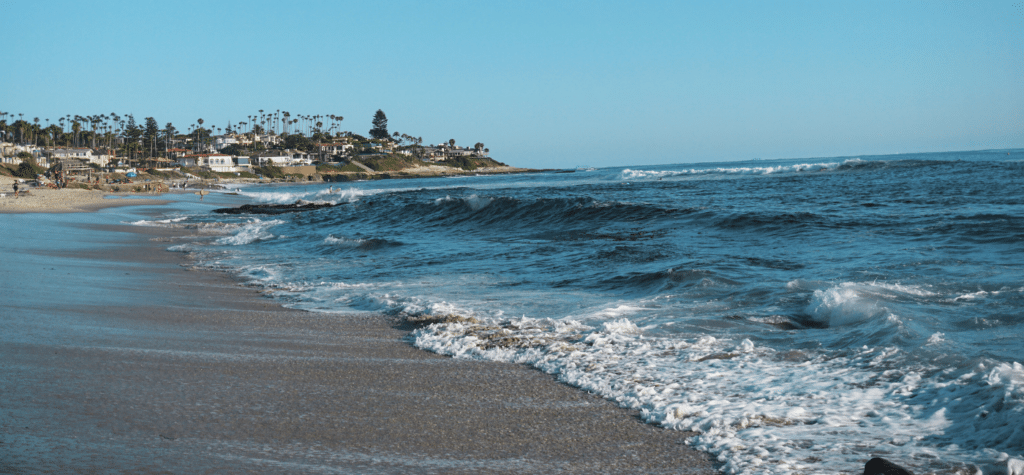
{"type": "Point", "coordinates": [67, 200]}
{"type": "Point", "coordinates": [116, 358]}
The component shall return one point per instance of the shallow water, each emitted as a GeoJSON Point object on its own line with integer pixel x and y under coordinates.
{"type": "Point", "coordinates": [802, 315]}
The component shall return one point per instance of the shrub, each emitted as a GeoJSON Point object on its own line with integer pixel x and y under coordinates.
{"type": "Point", "coordinates": [471, 163]}
{"type": "Point", "coordinates": [389, 162]}
{"type": "Point", "coordinates": [28, 169]}
{"type": "Point", "coordinates": [270, 171]}
{"type": "Point", "coordinates": [160, 174]}
{"type": "Point", "coordinates": [350, 167]}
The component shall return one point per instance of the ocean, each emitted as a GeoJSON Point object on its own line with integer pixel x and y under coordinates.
{"type": "Point", "coordinates": [801, 316]}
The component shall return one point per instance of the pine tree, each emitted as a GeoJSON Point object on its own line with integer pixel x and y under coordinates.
{"type": "Point", "coordinates": [380, 126]}
{"type": "Point", "coordinates": [132, 133]}
{"type": "Point", "coordinates": [150, 135]}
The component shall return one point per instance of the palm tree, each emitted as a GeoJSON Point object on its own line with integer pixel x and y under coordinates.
{"type": "Point", "coordinates": [76, 127]}
{"type": "Point", "coordinates": [168, 135]}
{"type": "Point", "coordinates": [199, 131]}
{"type": "Point", "coordinates": [95, 122]}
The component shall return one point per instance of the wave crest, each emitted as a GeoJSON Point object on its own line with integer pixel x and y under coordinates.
{"type": "Point", "coordinates": [629, 174]}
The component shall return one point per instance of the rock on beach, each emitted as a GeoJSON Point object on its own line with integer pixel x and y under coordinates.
{"type": "Point", "coordinates": [881, 466]}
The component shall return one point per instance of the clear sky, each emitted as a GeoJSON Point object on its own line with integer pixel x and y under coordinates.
{"type": "Point", "coordinates": [545, 83]}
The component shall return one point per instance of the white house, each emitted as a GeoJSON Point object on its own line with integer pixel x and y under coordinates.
{"type": "Point", "coordinates": [79, 153]}
{"type": "Point", "coordinates": [189, 160]}
{"type": "Point", "coordinates": [278, 158]}
{"type": "Point", "coordinates": [102, 157]}
{"type": "Point", "coordinates": [268, 139]}
{"type": "Point", "coordinates": [217, 162]}
{"type": "Point", "coordinates": [336, 148]}
{"type": "Point", "coordinates": [222, 141]}
{"type": "Point", "coordinates": [220, 162]}
{"type": "Point", "coordinates": [177, 152]}
{"type": "Point", "coordinates": [443, 152]}
{"type": "Point", "coordinates": [10, 152]}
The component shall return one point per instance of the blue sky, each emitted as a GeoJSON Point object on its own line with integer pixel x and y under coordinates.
{"type": "Point", "coordinates": [546, 84]}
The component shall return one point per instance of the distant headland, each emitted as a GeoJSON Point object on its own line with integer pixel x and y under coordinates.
{"type": "Point", "coordinates": [98, 151]}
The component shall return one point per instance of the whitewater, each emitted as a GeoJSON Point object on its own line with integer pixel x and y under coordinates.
{"type": "Point", "coordinates": [799, 316]}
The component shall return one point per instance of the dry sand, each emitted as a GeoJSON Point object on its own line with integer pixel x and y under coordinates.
{"type": "Point", "coordinates": [187, 372]}
{"type": "Point", "coordinates": [67, 200]}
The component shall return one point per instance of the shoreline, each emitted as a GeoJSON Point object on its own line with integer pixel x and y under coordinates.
{"type": "Point", "coordinates": [78, 200]}
{"type": "Point", "coordinates": [188, 371]}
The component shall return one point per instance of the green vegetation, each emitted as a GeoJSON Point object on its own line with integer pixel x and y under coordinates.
{"type": "Point", "coordinates": [162, 174]}
{"type": "Point", "coordinates": [299, 142]}
{"type": "Point", "coordinates": [269, 171]}
{"type": "Point", "coordinates": [197, 172]}
{"type": "Point", "coordinates": [234, 149]}
{"type": "Point", "coordinates": [380, 126]}
{"type": "Point", "coordinates": [351, 167]}
{"type": "Point", "coordinates": [230, 175]}
{"type": "Point", "coordinates": [27, 168]}
{"type": "Point", "coordinates": [467, 163]}
{"type": "Point", "coordinates": [326, 168]}
{"type": "Point", "coordinates": [389, 163]}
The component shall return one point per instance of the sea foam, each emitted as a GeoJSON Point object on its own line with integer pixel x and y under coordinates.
{"type": "Point", "coordinates": [255, 230]}
{"type": "Point", "coordinates": [630, 174]}
{"type": "Point", "coordinates": [758, 410]}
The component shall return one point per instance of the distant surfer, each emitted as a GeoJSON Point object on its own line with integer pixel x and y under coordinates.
{"type": "Point", "coordinates": [201, 193]}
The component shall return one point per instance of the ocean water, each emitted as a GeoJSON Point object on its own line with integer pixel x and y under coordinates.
{"type": "Point", "coordinates": [802, 316]}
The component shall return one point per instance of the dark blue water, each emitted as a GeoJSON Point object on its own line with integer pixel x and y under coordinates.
{"type": "Point", "coordinates": [799, 314]}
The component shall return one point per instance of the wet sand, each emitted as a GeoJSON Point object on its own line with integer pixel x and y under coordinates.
{"type": "Point", "coordinates": [121, 360]}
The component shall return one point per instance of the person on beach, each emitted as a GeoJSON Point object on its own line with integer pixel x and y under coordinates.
{"type": "Point", "coordinates": [15, 189]}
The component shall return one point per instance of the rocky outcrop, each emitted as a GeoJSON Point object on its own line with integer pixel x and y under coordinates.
{"type": "Point", "coordinates": [881, 466]}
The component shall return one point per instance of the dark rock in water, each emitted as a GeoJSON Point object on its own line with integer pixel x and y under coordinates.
{"type": "Point", "coordinates": [273, 208]}
{"type": "Point", "coordinates": [881, 466]}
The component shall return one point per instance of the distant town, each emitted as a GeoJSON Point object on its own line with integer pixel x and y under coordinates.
{"type": "Point", "coordinates": [274, 143]}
